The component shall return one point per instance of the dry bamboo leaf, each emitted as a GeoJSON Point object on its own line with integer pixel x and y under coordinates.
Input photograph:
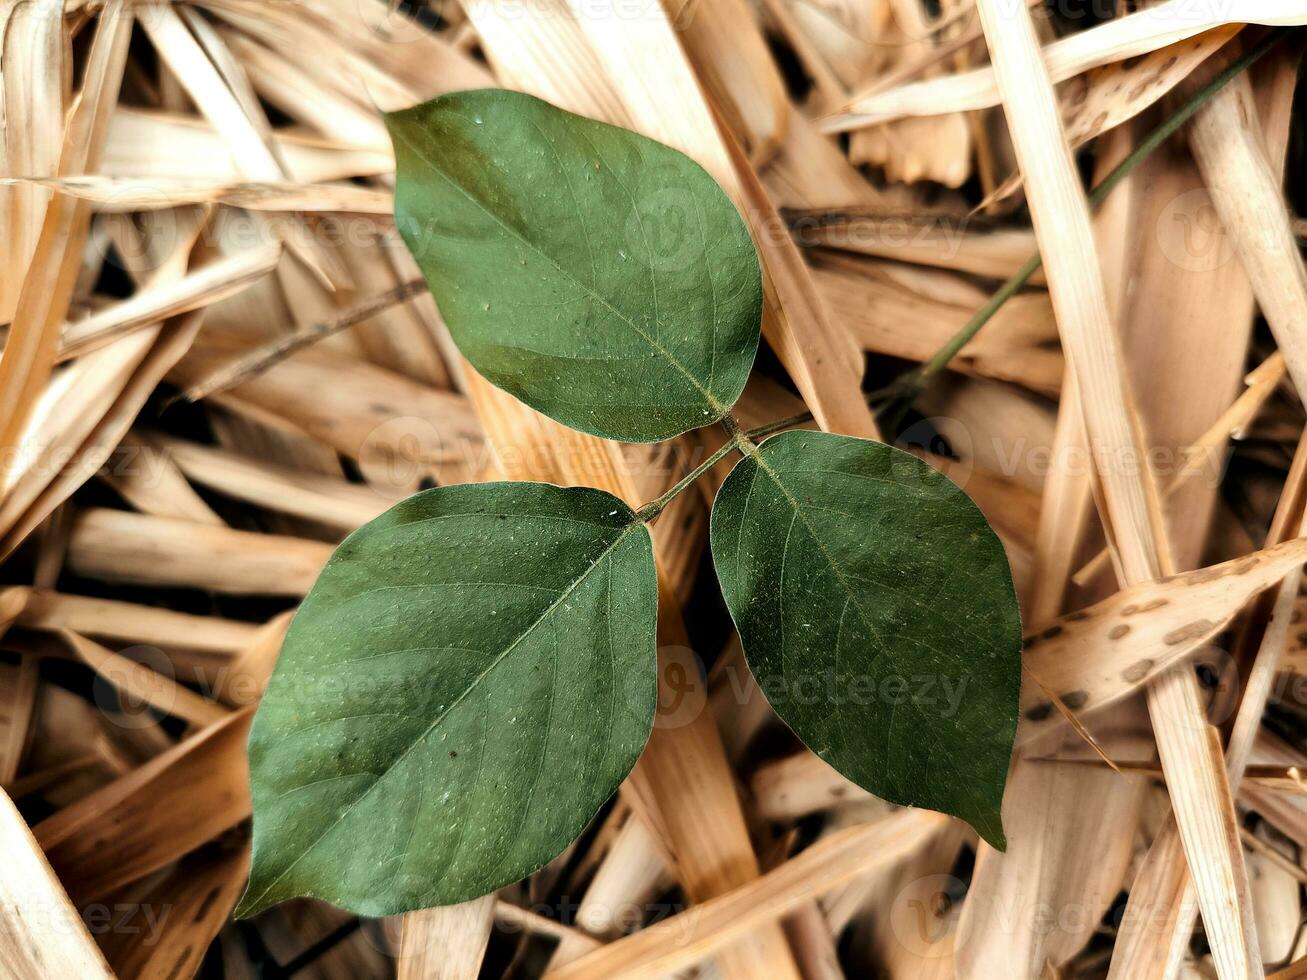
{"type": "Point", "coordinates": [632, 874]}
{"type": "Point", "coordinates": [1196, 778]}
{"type": "Point", "coordinates": [933, 148]}
{"type": "Point", "coordinates": [1294, 971]}
{"type": "Point", "coordinates": [1165, 879]}
{"type": "Point", "coordinates": [548, 57]}
{"type": "Point", "coordinates": [446, 943]}
{"type": "Point", "coordinates": [1203, 456]}
{"type": "Point", "coordinates": [1182, 372]}
{"type": "Point", "coordinates": [1116, 40]}
{"type": "Point", "coordinates": [130, 623]}
{"type": "Point", "coordinates": [150, 481]}
{"type": "Point", "coordinates": [207, 284]}
{"type": "Point", "coordinates": [827, 74]}
{"type": "Point", "coordinates": [242, 683]}
{"type": "Point", "coordinates": [148, 355]}
{"type": "Point", "coordinates": [937, 148]}
{"type": "Point", "coordinates": [1228, 145]}
{"type": "Point", "coordinates": [1006, 431]}
{"type": "Point", "coordinates": [143, 685]}
{"type": "Point", "coordinates": [1275, 892]}
{"type": "Point", "coordinates": [144, 145]}
{"type": "Point", "coordinates": [116, 546]}
{"type": "Point", "coordinates": [153, 815]}
{"type": "Point", "coordinates": [733, 64]}
{"type": "Point", "coordinates": [517, 918]}
{"type": "Point", "coordinates": [933, 242]}
{"type": "Point", "coordinates": [178, 48]}
{"type": "Point", "coordinates": [798, 785]}
{"type": "Point", "coordinates": [43, 935]}
{"type": "Point", "coordinates": [182, 915]}
{"type": "Point", "coordinates": [366, 47]}
{"type": "Point", "coordinates": [1033, 826]}
{"type": "Point", "coordinates": [32, 106]}
{"type": "Point", "coordinates": [20, 691]}
{"type": "Point", "coordinates": [91, 404]}
{"type": "Point", "coordinates": [1098, 655]}
{"type": "Point", "coordinates": [328, 500]}
{"type": "Point", "coordinates": [116, 194]}
{"type": "Point", "coordinates": [810, 172]}
{"type": "Point", "coordinates": [405, 427]}
{"type": "Point", "coordinates": [47, 288]}
{"type": "Point", "coordinates": [818, 357]}
{"type": "Point", "coordinates": [1106, 97]}
{"type": "Point", "coordinates": [842, 34]}
{"type": "Point", "coordinates": [697, 932]}
{"type": "Point", "coordinates": [246, 138]}
{"type": "Point", "coordinates": [409, 338]}
{"type": "Point", "coordinates": [913, 320]}
{"type": "Point", "coordinates": [253, 363]}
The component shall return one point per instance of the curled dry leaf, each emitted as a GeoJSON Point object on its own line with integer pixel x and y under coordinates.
{"type": "Point", "coordinates": [1105, 97]}
{"type": "Point", "coordinates": [1098, 655]}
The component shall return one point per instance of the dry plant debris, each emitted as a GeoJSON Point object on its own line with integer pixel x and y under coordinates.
{"type": "Point", "coordinates": [1051, 248]}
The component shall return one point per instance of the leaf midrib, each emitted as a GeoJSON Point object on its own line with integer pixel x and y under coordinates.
{"type": "Point", "coordinates": [381, 776]}
{"type": "Point", "coordinates": [850, 592]}
{"type": "Point", "coordinates": [709, 398]}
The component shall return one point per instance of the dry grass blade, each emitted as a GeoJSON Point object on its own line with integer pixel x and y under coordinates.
{"type": "Point", "coordinates": [1106, 97]}
{"type": "Point", "coordinates": [203, 287]}
{"type": "Point", "coordinates": [447, 943]}
{"type": "Point", "coordinates": [197, 895]}
{"type": "Point", "coordinates": [145, 820]}
{"type": "Point", "coordinates": [143, 685]}
{"type": "Point", "coordinates": [663, 949]}
{"type": "Point", "coordinates": [32, 48]}
{"type": "Point", "coordinates": [1197, 780]}
{"type": "Point", "coordinates": [54, 944]}
{"type": "Point", "coordinates": [1203, 455]}
{"type": "Point", "coordinates": [1229, 147]}
{"type": "Point", "coordinates": [325, 499]}
{"type": "Point", "coordinates": [122, 194]}
{"type": "Point", "coordinates": [258, 361]}
{"type": "Point", "coordinates": [113, 545]}
{"type": "Point", "coordinates": [1125, 37]}
{"type": "Point", "coordinates": [131, 623]}
{"type": "Point", "coordinates": [47, 290]}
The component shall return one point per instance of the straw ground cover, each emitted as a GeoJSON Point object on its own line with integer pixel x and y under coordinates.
{"type": "Point", "coordinates": [419, 559]}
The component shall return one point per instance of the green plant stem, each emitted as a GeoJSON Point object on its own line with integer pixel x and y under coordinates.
{"type": "Point", "coordinates": [651, 510]}
{"type": "Point", "coordinates": [781, 425]}
{"type": "Point", "coordinates": [905, 389]}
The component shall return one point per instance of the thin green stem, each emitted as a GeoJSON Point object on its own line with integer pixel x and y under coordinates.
{"type": "Point", "coordinates": [743, 440]}
{"type": "Point", "coordinates": [905, 389]}
{"type": "Point", "coordinates": [915, 381]}
{"type": "Point", "coordinates": [651, 510]}
{"type": "Point", "coordinates": [780, 425]}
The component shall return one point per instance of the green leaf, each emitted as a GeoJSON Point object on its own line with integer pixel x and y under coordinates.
{"type": "Point", "coordinates": [601, 277]}
{"type": "Point", "coordinates": [877, 613]}
{"type": "Point", "coordinates": [469, 680]}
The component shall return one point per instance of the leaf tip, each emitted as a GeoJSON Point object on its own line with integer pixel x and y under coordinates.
{"type": "Point", "coordinates": [987, 821]}
{"type": "Point", "coordinates": [249, 905]}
